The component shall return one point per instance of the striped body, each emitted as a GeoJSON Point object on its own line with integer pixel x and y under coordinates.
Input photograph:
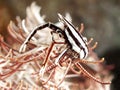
{"type": "Point", "coordinates": [75, 39]}
{"type": "Point", "coordinates": [72, 36]}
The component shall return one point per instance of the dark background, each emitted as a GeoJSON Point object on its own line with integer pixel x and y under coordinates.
{"type": "Point", "coordinates": [100, 17]}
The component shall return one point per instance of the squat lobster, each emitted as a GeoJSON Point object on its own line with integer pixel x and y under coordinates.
{"type": "Point", "coordinates": [73, 39]}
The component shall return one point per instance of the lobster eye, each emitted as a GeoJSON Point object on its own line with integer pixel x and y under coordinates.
{"type": "Point", "coordinates": [60, 35]}
{"type": "Point", "coordinates": [85, 39]}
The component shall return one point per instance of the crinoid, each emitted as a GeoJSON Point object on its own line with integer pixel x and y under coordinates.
{"type": "Point", "coordinates": [40, 55]}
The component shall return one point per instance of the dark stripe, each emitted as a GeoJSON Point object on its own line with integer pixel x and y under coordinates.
{"type": "Point", "coordinates": [76, 31]}
{"type": "Point", "coordinates": [84, 52]}
{"type": "Point", "coordinates": [38, 28]}
{"type": "Point", "coordinates": [76, 41]}
{"type": "Point", "coordinates": [42, 26]}
{"type": "Point", "coordinates": [74, 38]}
{"type": "Point", "coordinates": [53, 27]}
{"type": "Point", "coordinates": [78, 34]}
{"type": "Point", "coordinates": [56, 29]}
{"type": "Point", "coordinates": [49, 25]}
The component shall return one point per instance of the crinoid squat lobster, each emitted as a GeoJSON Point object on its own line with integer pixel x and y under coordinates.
{"type": "Point", "coordinates": [72, 37]}
{"type": "Point", "coordinates": [74, 40]}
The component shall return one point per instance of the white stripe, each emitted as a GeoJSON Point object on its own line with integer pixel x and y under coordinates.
{"type": "Point", "coordinates": [83, 53]}
{"type": "Point", "coordinates": [58, 58]}
{"type": "Point", "coordinates": [74, 46]}
{"type": "Point", "coordinates": [76, 35]}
